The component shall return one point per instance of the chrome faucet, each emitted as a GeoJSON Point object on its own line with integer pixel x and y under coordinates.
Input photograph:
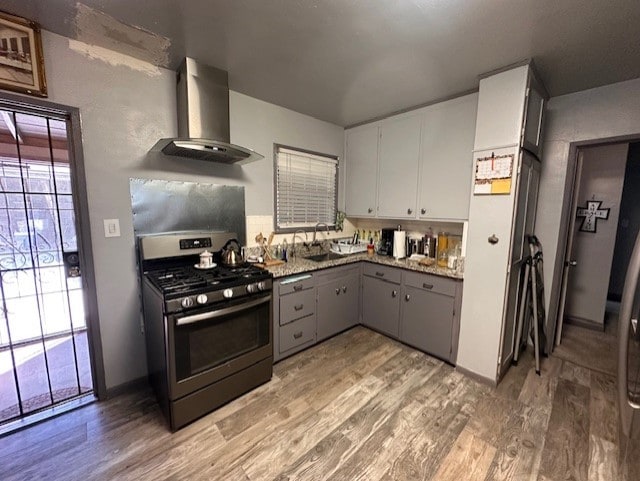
{"type": "Point", "coordinates": [293, 241]}
{"type": "Point", "coordinates": [315, 242]}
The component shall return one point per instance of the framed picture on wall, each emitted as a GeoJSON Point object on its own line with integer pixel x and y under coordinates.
{"type": "Point", "coordinates": [21, 60]}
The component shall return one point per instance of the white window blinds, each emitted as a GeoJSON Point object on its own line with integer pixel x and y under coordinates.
{"type": "Point", "coordinates": [306, 189]}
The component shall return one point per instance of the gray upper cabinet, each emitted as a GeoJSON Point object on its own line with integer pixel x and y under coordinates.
{"type": "Point", "coordinates": [533, 117]}
{"type": "Point", "coordinates": [361, 170]}
{"type": "Point", "coordinates": [447, 159]}
{"type": "Point", "coordinates": [338, 301]}
{"type": "Point", "coordinates": [398, 164]}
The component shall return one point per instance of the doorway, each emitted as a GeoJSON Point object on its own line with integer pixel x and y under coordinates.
{"type": "Point", "coordinates": [601, 232]}
{"type": "Point", "coordinates": [48, 321]}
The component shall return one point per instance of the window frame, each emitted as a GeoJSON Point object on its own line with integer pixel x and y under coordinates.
{"type": "Point", "coordinates": [288, 230]}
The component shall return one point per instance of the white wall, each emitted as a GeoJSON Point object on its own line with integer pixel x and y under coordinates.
{"type": "Point", "coordinates": [610, 111]}
{"type": "Point", "coordinates": [126, 106]}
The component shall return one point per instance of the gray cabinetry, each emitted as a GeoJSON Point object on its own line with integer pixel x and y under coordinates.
{"type": "Point", "coordinates": [428, 320]}
{"type": "Point", "coordinates": [447, 143]}
{"type": "Point", "coordinates": [381, 299]}
{"type": "Point", "coordinates": [338, 300]}
{"type": "Point", "coordinates": [399, 158]}
{"type": "Point", "coordinates": [362, 170]}
{"type": "Point", "coordinates": [294, 318]}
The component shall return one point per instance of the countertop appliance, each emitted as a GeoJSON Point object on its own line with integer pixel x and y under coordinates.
{"type": "Point", "coordinates": [208, 330]}
{"type": "Point", "coordinates": [203, 117]}
{"type": "Point", "coordinates": [386, 242]}
{"type": "Point", "coordinates": [629, 371]}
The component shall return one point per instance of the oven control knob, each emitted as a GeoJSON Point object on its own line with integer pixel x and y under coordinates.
{"type": "Point", "coordinates": [227, 293]}
{"type": "Point", "coordinates": [187, 302]}
{"type": "Point", "coordinates": [262, 285]}
{"type": "Point", "coordinates": [252, 288]}
{"type": "Point", "coordinates": [202, 299]}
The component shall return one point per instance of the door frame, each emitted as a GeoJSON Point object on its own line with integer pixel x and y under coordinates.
{"type": "Point", "coordinates": [83, 226]}
{"type": "Point", "coordinates": [555, 321]}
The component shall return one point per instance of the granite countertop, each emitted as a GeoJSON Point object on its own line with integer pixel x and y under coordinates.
{"type": "Point", "coordinates": [299, 265]}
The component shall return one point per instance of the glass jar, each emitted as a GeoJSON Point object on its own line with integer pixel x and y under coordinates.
{"type": "Point", "coordinates": [442, 253]}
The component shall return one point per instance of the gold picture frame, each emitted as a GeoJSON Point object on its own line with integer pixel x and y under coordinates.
{"type": "Point", "coordinates": [21, 58]}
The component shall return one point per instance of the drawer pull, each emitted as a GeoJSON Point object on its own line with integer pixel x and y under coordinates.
{"type": "Point", "coordinates": [423, 211]}
{"type": "Point", "coordinates": [337, 291]}
{"type": "Point", "coordinates": [394, 293]}
{"type": "Point", "coordinates": [369, 210]}
{"type": "Point", "coordinates": [297, 335]}
{"type": "Point", "coordinates": [407, 297]}
{"type": "Point", "coordinates": [409, 211]}
{"type": "Point", "coordinates": [427, 286]}
{"type": "Point", "coordinates": [379, 274]}
{"type": "Point", "coordinates": [298, 307]}
{"type": "Point", "coordinates": [297, 287]}
{"type": "Point", "coordinates": [344, 289]}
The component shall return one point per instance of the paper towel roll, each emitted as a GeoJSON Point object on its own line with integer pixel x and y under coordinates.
{"type": "Point", "coordinates": [399, 244]}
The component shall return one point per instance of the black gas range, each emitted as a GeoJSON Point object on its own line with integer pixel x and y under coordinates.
{"type": "Point", "coordinates": [208, 331]}
{"type": "Point", "coordinates": [185, 286]}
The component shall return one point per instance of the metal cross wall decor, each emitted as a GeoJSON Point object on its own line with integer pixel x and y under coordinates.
{"type": "Point", "coordinates": [590, 215]}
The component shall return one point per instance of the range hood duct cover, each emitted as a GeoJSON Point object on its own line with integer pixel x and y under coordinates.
{"type": "Point", "coordinates": [203, 118]}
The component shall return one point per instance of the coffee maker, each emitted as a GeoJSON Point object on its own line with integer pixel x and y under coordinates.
{"type": "Point", "coordinates": [386, 242]}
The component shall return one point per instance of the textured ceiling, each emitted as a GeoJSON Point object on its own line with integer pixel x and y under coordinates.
{"type": "Point", "coordinates": [347, 61]}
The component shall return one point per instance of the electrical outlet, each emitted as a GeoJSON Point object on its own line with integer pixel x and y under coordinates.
{"type": "Point", "coordinates": [112, 227]}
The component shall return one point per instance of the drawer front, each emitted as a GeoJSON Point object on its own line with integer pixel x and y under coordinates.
{"type": "Point", "coordinates": [297, 333]}
{"type": "Point", "coordinates": [297, 305]}
{"type": "Point", "coordinates": [336, 273]}
{"type": "Point", "coordinates": [295, 284]}
{"type": "Point", "coordinates": [388, 274]}
{"type": "Point", "coordinates": [440, 285]}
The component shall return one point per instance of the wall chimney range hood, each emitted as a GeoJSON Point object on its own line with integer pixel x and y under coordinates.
{"type": "Point", "coordinates": [203, 118]}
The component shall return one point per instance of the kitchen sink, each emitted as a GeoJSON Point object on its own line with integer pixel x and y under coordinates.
{"type": "Point", "coordinates": [327, 256]}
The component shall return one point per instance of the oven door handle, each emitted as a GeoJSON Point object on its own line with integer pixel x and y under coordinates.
{"type": "Point", "coordinates": [221, 312]}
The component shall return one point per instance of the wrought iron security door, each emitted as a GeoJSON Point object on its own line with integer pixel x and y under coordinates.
{"type": "Point", "coordinates": [44, 357]}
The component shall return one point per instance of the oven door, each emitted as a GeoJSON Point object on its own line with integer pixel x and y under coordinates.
{"type": "Point", "coordinates": [209, 344]}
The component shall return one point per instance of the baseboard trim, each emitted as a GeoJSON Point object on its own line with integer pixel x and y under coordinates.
{"type": "Point", "coordinates": [128, 387]}
{"type": "Point", "coordinates": [577, 321]}
{"type": "Point", "coordinates": [477, 377]}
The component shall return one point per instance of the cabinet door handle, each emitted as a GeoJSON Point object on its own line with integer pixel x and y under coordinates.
{"type": "Point", "coordinates": [344, 289]}
{"type": "Point", "coordinates": [379, 274]}
{"type": "Point", "coordinates": [394, 293]}
{"type": "Point", "coordinates": [407, 297]}
{"type": "Point", "coordinates": [337, 291]}
{"type": "Point", "coordinates": [423, 211]}
{"type": "Point", "coordinates": [369, 210]}
{"type": "Point", "coordinates": [297, 335]}
{"type": "Point", "coordinates": [409, 211]}
{"type": "Point", "coordinates": [297, 287]}
{"type": "Point", "coordinates": [298, 307]}
{"type": "Point", "coordinates": [427, 286]}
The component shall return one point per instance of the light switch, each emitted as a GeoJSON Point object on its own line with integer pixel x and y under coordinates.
{"type": "Point", "coordinates": [111, 227]}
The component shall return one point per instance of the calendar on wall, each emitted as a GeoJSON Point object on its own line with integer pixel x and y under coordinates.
{"type": "Point", "coordinates": [493, 175]}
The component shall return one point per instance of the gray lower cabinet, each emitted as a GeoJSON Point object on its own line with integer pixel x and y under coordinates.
{"type": "Point", "coordinates": [381, 300]}
{"type": "Point", "coordinates": [338, 300]}
{"type": "Point", "coordinates": [429, 317]}
{"type": "Point", "coordinates": [294, 315]}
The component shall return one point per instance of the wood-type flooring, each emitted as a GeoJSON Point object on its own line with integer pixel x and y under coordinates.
{"type": "Point", "coordinates": [356, 407]}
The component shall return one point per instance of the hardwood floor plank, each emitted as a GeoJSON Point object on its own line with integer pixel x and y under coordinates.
{"type": "Point", "coordinates": [575, 373]}
{"type": "Point", "coordinates": [603, 459]}
{"type": "Point", "coordinates": [538, 390]}
{"type": "Point", "coordinates": [603, 409]}
{"type": "Point", "coordinates": [566, 450]}
{"type": "Point", "coordinates": [469, 458]}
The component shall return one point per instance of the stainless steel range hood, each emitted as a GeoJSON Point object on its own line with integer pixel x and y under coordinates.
{"type": "Point", "coordinates": [203, 118]}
